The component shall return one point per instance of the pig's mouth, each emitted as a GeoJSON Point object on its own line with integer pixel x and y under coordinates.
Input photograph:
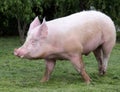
{"type": "Point", "coordinates": [21, 54]}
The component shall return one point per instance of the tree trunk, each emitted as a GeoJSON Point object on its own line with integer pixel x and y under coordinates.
{"type": "Point", "coordinates": [21, 30]}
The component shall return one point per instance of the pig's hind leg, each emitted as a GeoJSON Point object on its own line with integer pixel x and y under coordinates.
{"type": "Point", "coordinates": [50, 64]}
{"type": "Point", "coordinates": [107, 48]}
{"type": "Point", "coordinates": [102, 54]}
{"type": "Point", "coordinates": [77, 62]}
{"type": "Point", "coordinates": [99, 57]}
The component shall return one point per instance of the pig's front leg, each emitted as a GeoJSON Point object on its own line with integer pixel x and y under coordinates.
{"type": "Point", "coordinates": [50, 64]}
{"type": "Point", "coordinates": [77, 62]}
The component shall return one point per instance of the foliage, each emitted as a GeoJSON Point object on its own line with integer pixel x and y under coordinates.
{"type": "Point", "coordinates": [111, 8]}
{"type": "Point", "coordinates": [66, 7]}
{"type": "Point", "coordinates": [118, 36]}
{"type": "Point", "coordinates": [59, 8]}
{"type": "Point", "coordinates": [19, 9]}
{"type": "Point", "coordinates": [21, 75]}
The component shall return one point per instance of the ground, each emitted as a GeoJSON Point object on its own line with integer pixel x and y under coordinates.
{"type": "Point", "coordinates": [22, 75]}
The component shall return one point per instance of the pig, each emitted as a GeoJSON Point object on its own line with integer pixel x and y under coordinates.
{"type": "Point", "coordinates": [70, 38]}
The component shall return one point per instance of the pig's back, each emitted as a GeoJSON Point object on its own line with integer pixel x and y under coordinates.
{"type": "Point", "coordinates": [78, 19]}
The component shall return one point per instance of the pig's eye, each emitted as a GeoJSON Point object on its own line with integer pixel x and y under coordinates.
{"type": "Point", "coordinates": [33, 42]}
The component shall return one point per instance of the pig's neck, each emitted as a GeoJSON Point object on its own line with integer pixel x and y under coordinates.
{"type": "Point", "coordinates": [54, 46]}
{"type": "Point", "coordinates": [51, 51]}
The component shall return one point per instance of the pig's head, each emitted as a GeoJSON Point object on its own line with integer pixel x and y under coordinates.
{"type": "Point", "coordinates": [35, 42]}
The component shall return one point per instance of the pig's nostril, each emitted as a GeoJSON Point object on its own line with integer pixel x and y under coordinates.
{"type": "Point", "coordinates": [19, 52]}
{"type": "Point", "coordinates": [15, 52]}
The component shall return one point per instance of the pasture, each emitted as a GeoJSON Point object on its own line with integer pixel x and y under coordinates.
{"type": "Point", "coordinates": [22, 75]}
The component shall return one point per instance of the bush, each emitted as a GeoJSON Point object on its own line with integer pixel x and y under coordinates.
{"type": "Point", "coordinates": [118, 36]}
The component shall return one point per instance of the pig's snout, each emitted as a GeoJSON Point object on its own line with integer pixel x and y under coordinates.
{"type": "Point", "coordinates": [19, 53]}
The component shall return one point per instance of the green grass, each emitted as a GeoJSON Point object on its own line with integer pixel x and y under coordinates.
{"type": "Point", "coordinates": [21, 75]}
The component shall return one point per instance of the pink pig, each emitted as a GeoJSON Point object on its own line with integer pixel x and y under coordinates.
{"type": "Point", "coordinates": [69, 38]}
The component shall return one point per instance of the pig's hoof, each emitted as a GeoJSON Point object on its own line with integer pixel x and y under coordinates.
{"type": "Point", "coordinates": [87, 82]}
{"type": "Point", "coordinates": [102, 72]}
{"type": "Point", "coordinates": [43, 80]}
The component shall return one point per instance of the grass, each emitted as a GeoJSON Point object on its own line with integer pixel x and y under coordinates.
{"type": "Point", "coordinates": [22, 75]}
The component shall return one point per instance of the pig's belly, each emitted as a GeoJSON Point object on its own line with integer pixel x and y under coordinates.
{"type": "Point", "coordinates": [91, 46]}
{"type": "Point", "coordinates": [59, 56]}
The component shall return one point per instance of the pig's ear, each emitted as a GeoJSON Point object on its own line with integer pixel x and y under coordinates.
{"type": "Point", "coordinates": [34, 23]}
{"type": "Point", "coordinates": [43, 30]}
